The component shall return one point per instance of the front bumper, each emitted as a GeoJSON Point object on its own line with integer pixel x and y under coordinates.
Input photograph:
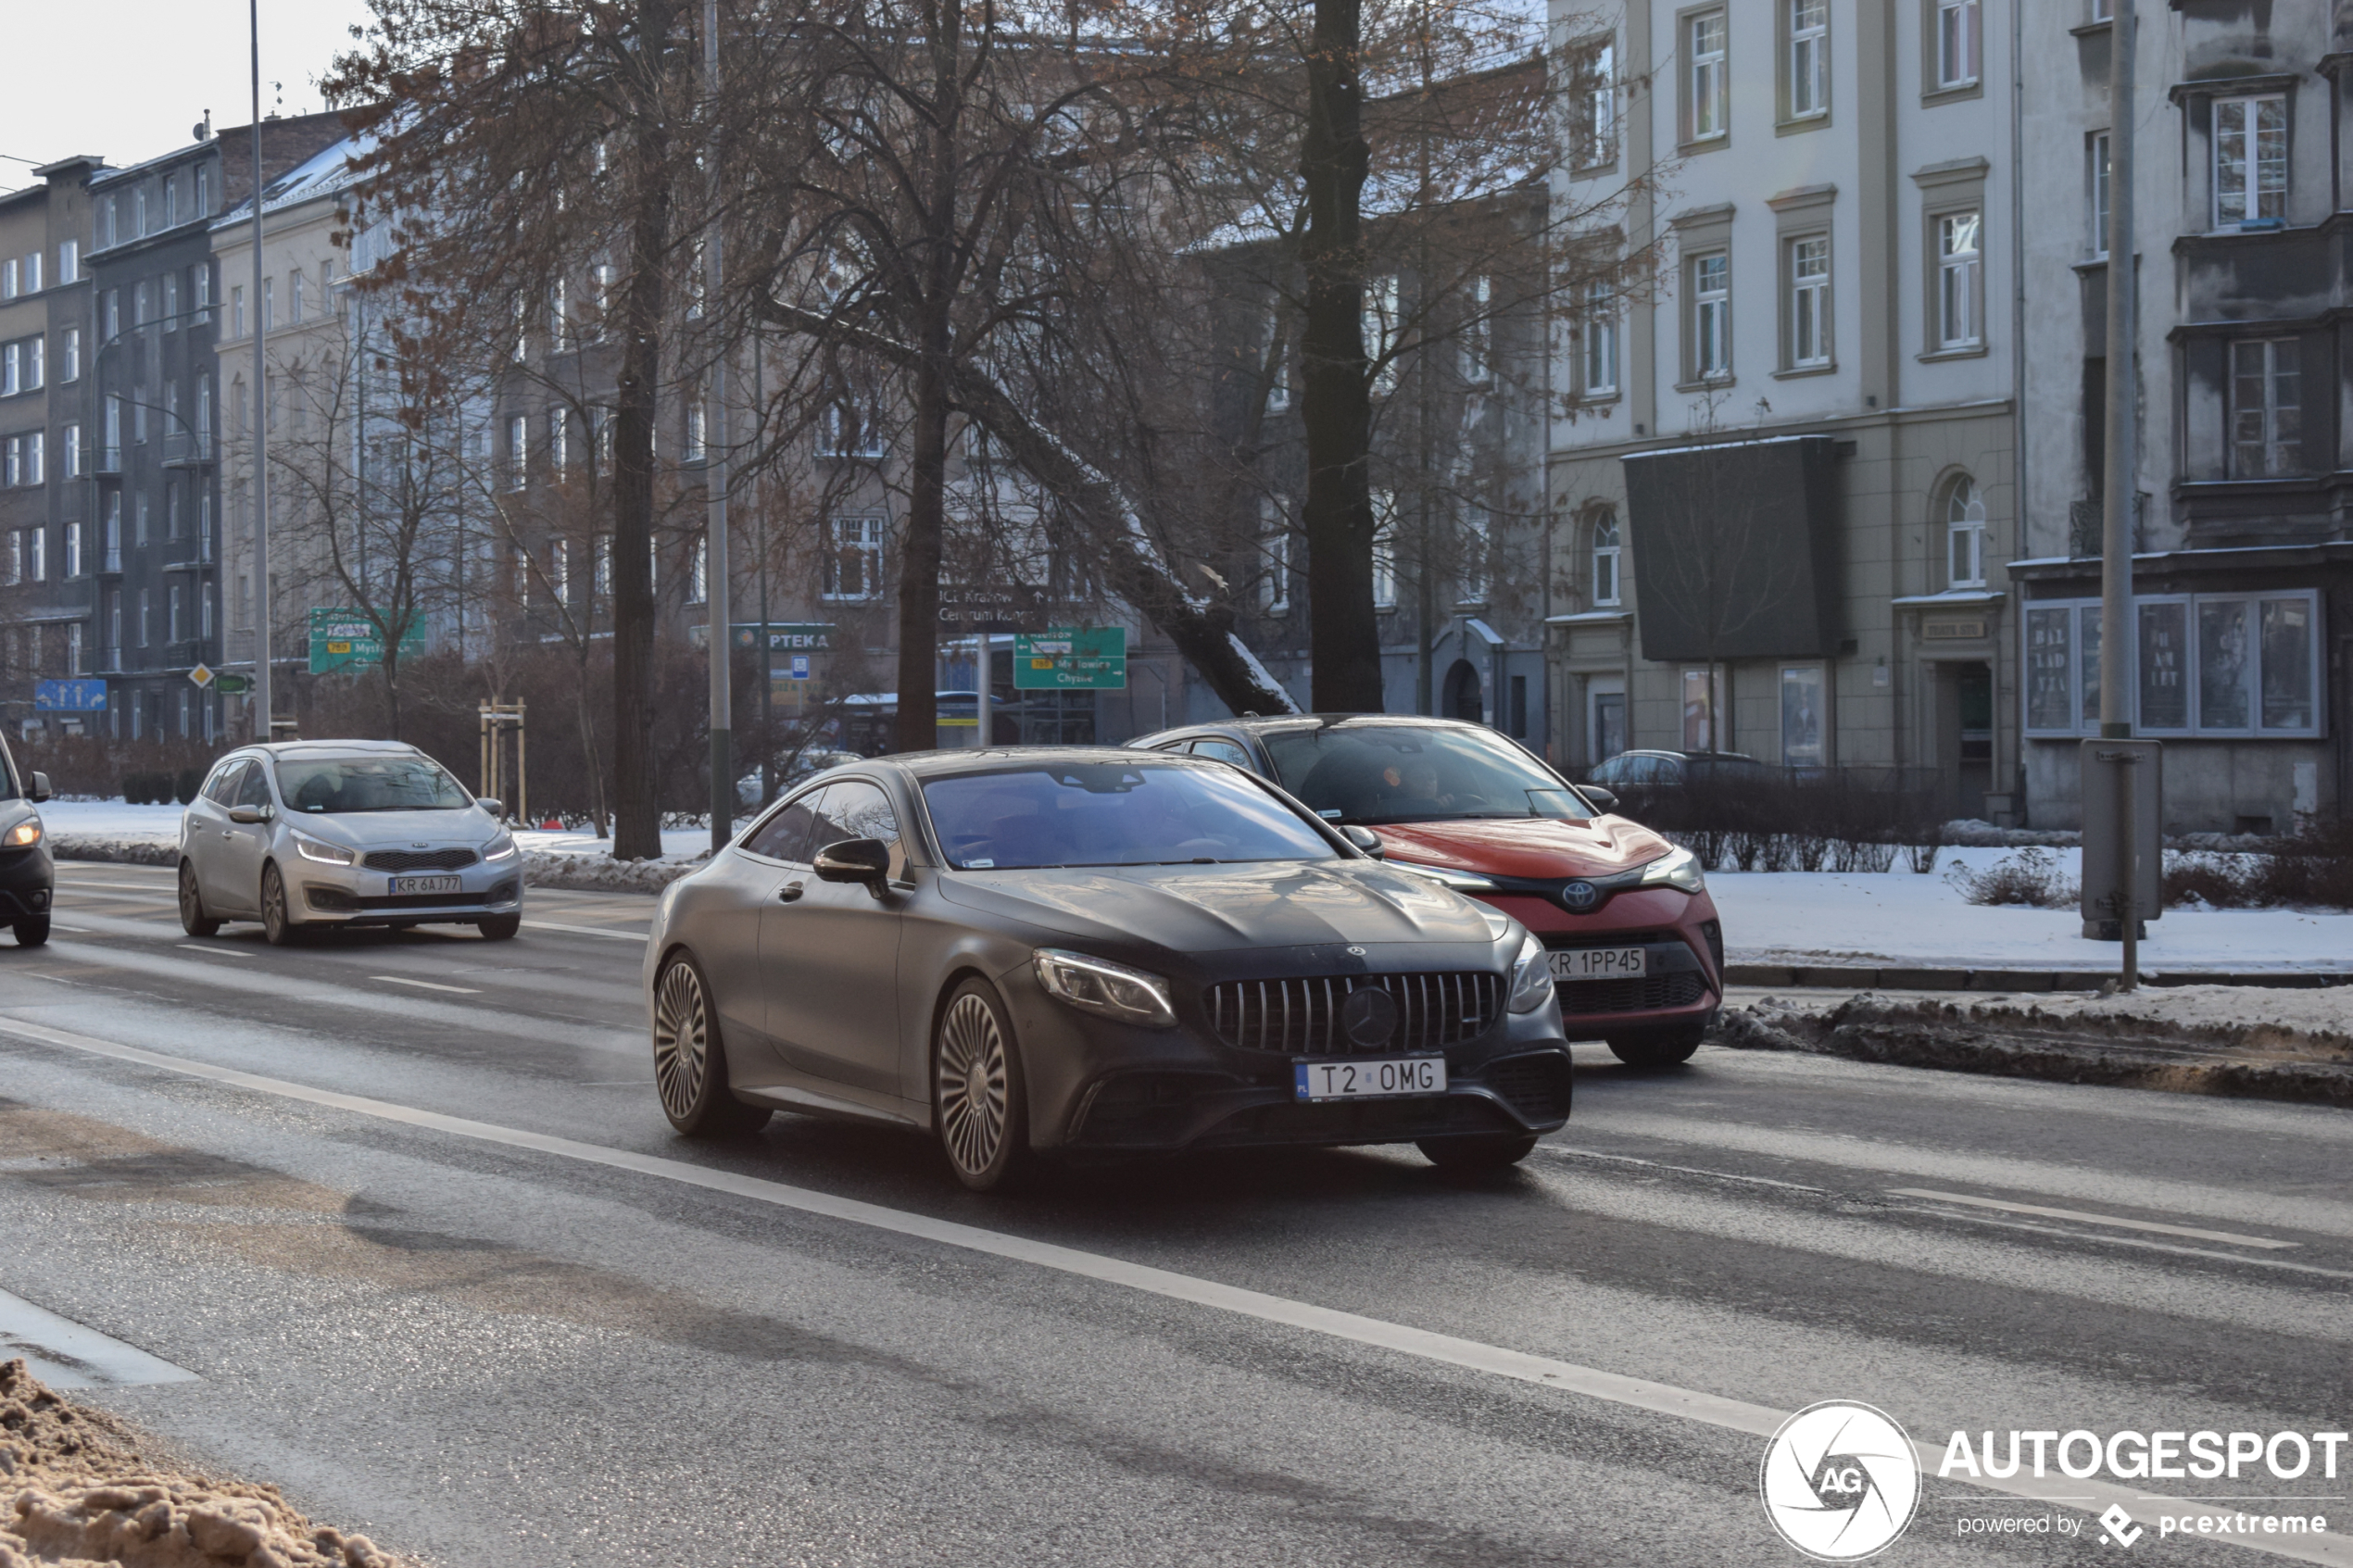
{"type": "Point", "coordinates": [28, 881]}
{"type": "Point", "coordinates": [355, 895]}
{"type": "Point", "coordinates": [1681, 937]}
{"type": "Point", "coordinates": [1103, 1086]}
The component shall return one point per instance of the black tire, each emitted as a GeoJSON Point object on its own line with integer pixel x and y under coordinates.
{"type": "Point", "coordinates": [33, 931]}
{"type": "Point", "coordinates": [499, 928]}
{"type": "Point", "coordinates": [193, 919]}
{"type": "Point", "coordinates": [979, 1093]}
{"type": "Point", "coordinates": [690, 1061]}
{"type": "Point", "coordinates": [1478, 1151]}
{"type": "Point", "coordinates": [1658, 1047]}
{"type": "Point", "coordinates": [278, 923]}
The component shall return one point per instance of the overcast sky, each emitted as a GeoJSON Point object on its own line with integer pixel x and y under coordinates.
{"type": "Point", "coordinates": [126, 78]}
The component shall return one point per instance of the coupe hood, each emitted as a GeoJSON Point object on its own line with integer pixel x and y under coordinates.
{"type": "Point", "coordinates": [1213, 908]}
{"type": "Point", "coordinates": [1539, 848]}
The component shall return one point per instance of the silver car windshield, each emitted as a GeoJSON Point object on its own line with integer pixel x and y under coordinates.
{"type": "Point", "coordinates": [1114, 814]}
{"type": "Point", "coordinates": [331, 786]}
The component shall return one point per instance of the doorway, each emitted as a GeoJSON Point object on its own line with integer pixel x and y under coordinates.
{"type": "Point", "coordinates": [1965, 734]}
{"type": "Point", "coordinates": [1605, 727]}
{"type": "Point", "coordinates": [1464, 699]}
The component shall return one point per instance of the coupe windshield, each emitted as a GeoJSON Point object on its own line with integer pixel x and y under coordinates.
{"type": "Point", "coordinates": [330, 785]}
{"type": "Point", "coordinates": [1114, 814]}
{"type": "Point", "coordinates": [1414, 773]}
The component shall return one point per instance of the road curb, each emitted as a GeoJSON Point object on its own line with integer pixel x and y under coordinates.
{"type": "Point", "coordinates": [580, 874]}
{"type": "Point", "coordinates": [1845, 977]}
{"type": "Point", "coordinates": [1935, 1035]}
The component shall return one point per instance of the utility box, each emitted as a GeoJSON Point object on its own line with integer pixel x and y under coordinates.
{"type": "Point", "coordinates": [2108, 766]}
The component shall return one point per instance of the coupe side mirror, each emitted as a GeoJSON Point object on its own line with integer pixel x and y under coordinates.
{"type": "Point", "coordinates": [1604, 800]}
{"type": "Point", "coordinates": [490, 803]}
{"type": "Point", "coordinates": [40, 791]}
{"type": "Point", "coordinates": [864, 860]}
{"type": "Point", "coordinates": [248, 815]}
{"type": "Point", "coordinates": [1364, 838]}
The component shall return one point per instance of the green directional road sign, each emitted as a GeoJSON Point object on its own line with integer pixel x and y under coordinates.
{"type": "Point", "coordinates": [1072, 659]}
{"type": "Point", "coordinates": [233, 685]}
{"type": "Point", "coordinates": [347, 639]}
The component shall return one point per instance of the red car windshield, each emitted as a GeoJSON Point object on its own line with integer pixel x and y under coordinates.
{"type": "Point", "coordinates": [1388, 773]}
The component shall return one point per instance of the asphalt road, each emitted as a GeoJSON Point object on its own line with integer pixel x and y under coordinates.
{"type": "Point", "coordinates": [492, 1312]}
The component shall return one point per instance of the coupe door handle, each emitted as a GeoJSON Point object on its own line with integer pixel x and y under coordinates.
{"type": "Point", "coordinates": [789, 892]}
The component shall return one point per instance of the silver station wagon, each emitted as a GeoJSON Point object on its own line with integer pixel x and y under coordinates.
{"type": "Point", "coordinates": [302, 836]}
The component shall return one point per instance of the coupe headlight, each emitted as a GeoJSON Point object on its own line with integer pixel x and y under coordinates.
{"type": "Point", "coordinates": [499, 849]}
{"type": "Point", "coordinates": [1531, 975]}
{"type": "Point", "coordinates": [1677, 867]}
{"type": "Point", "coordinates": [319, 849]}
{"type": "Point", "coordinates": [1461, 882]}
{"type": "Point", "coordinates": [1100, 985]}
{"type": "Point", "coordinates": [24, 833]}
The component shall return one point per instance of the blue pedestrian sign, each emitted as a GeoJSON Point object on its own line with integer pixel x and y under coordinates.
{"type": "Point", "coordinates": [801, 667]}
{"type": "Point", "coordinates": [69, 696]}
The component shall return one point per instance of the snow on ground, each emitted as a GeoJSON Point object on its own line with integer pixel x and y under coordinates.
{"type": "Point", "coordinates": [1901, 917]}
{"type": "Point", "coordinates": [160, 825]}
{"type": "Point", "coordinates": [2321, 1014]}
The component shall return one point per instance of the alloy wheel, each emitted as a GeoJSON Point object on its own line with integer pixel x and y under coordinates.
{"type": "Point", "coordinates": [277, 922]}
{"type": "Point", "coordinates": [193, 919]}
{"type": "Point", "coordinates": [973, 1078]}
{"type": "Point", "coordinates": [682, 1040]}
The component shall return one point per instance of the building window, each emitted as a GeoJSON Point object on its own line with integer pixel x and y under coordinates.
{"type": "Point", "coordinates": [600, 566]}
{"type": "Point", "coordinates": [517, 450]}
{"type": "Point", "coordinates": [2244, 664]}
{"type": "Point", "coordinates": [68, 261]}
{"type": "Point", "coordinates": [698, 573]}
{"type": "Point", "coordinates": [36, 457]}
{"type": "Point", "coordinates": [1956, 43]}
{"type": "Point", "coordinates": [851, 428]}
{"type": "Point", "coordinates": [12, 462]}
{"type": "Point", "coordinates": [171, 302]}
{"type": "Point", "coordinates": [1809, 59]}
{"type": "Point", "coordinates": [11, 369]}
{"type": "Point", "coordinates": [269, 305]}
{"type": "Point", "coordinates": [1600, 328]}
{"type": "Point", "coordinates": [1279, 369]}
{"type": "Point", "coordinates": [237, 311]}
{"type": "Point", "coordinates": [1957, 279]}
{"type": "Point", "coordinates": [2095, 191]}
{"type": "Point", "coordinates": [1708, 110]}
{"type": "Point", "coordinates": [1703, 707]}
{"type": "Point", "coordinates": [1964, 534]}
{"type": "Point", "coordinates": [1803, 704]}
{"type": "Point", "coordinates": [1384, 549]}
{"type": "Point", "coordinates": [853, 567]}
{"type": "Point", "coordinates": [1380, 331]}
{"type": "Point", "coordinates": [1711, 317]}
{"type": "Point", "coordinates": [8, 278]}
{"type": "Point", "coordinates": [1605, 554]}
{"type": "Point", "coordinates": [2250, 160]}
{"type": "Point", "coordinates": [70, 354]}
{"type": "Point", "coordinates": [70, 439]}
{"type": "Point", "coordinates": [695, 453]}
{"type": "Point", "coordinates": [1594, 131]}
{"type": "Point", "coordinates": [1809, 302]}
{"type": "Point", "coordinates": [2267, 432]}
{"type": "Point", "coordinates": [1479, 331]}
{"type": "Point", "coordinates": [558, 445]}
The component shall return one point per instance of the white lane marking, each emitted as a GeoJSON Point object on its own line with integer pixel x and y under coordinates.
{"type": "Point", "coordinates": [2170, 1248]}
{"type": "Point", "coordinates": [77, 930]}
{"type": "Point", "coordinates": [1637, 1393]}
{"type": "Point", "coordinates": [587, 931]}
{"type": "Point", "coordinates": [1566, 1152]}
{"type": "Point", "coordinates": [66, 1354]}
{"type": "Point", "coordinates": [428, 985]}
{"type": "Point", "coordinates": [215, 952]}
{"type": "Point", "coordinates": [2080, 1217]}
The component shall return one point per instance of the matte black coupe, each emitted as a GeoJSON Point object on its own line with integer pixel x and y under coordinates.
{"type": "Point", "coordinates": [1031, 952]}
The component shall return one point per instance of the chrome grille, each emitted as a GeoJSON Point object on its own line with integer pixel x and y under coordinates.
{"type": "Point", "coordinates": [419, 860]}
{"type": "Point", "coordinates": [1301, 1017]}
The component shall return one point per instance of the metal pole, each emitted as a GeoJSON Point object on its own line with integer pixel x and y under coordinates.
{"type": "Point", "coordinates": [715, 594]}
{"type": "Point", "coordinates": [263, 696]}
{"type": "Point", "coordinates": [2121, 484]}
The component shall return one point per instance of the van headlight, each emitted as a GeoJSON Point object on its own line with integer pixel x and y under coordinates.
{"type": "Point", "coordinates": [1531, 975]}
{"type": "Point", "coordinates": [24, 833]}
{"type": "Point", "coordinates": [319, 849]}
{"type": "Point", "coordinates": [1677, 867]}
{"type": "Point", "coordinates": [1100, 985]}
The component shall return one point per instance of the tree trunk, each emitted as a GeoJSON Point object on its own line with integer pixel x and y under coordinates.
{"type": "Point", "coordinates": [636, 834]}
{"type": "Point", "coordinates": [1335, 387]}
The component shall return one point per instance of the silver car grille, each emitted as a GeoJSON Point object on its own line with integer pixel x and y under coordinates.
{"type": "Point", "coordinates": [1301, 1017]}
{"type": "Point", "coordinates": [419, 860]}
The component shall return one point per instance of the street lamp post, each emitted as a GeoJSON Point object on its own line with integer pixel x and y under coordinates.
{"type": "Point", "coordinates": [262, 694]}
{"type": "Point", "coordinates": [716, 598]}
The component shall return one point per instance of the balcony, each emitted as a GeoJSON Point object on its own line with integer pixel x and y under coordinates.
{"type": "Point", "coordinates": [105, 460]}
{"type": "Point", "coordinates": [109, 662]}
{"type": "Point", "coordinates": [189, 449]}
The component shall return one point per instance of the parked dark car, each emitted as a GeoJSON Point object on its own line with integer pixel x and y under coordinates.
{"type": "Point", "coordinates": [1636, 771]}
{"type": "Point", "coordinates": [1634, 939]}
{"type": "Point", "coordinates": [1027, 951]}
{"type": "Point", "coordinates": [28, 876]}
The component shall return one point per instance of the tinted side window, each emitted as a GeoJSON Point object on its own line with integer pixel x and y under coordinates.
{"type": "Point", "coordinates": [855, 809]}
{"type": "Point", "coordinates": [1223, 751]}
{"type": "Point", "coordinates": [253, 789]}
{"type": "Point", "coordinates": [222, 788]}
{"type": "Point", "coordinates": [785, 836]}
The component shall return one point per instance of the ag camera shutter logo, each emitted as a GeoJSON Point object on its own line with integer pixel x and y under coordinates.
{"type": "Point", "coordinates": [1840, 1481]}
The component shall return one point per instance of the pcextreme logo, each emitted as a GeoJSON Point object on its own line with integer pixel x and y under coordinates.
{"type": "Point", "coordinates": [1838, 1480]}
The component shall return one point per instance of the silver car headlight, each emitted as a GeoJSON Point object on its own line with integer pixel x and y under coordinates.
{"type": "Point", "coordinates": [1461, 882]}
{"type": "Point", "coordinates": [499, 849]}
{"type": "Point", "coordinates": [1677, 867]}
{"type": "Point", "coordinates": [1100, 985]}
{"type": "Point", "coordinates": [1531, 975]}
{"type": "Point", "coordinates": [319, 849]}
{"type": "Point", "coordinates": [24, 833]}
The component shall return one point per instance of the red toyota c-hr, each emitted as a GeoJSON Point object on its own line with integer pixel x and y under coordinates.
{"type": "Point", "coordinates": [1638, 952]}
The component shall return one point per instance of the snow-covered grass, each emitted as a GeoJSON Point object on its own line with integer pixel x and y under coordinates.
{"type": "Point", "coordinates": [160, 825]}
{"type": "Point", "coordinates": [1902, 917]}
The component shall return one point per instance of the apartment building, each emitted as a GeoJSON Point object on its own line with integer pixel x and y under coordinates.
{"type": "Point", "coordinates": [2243, 562]}
{"type": "Point", "coordinates": [45, 340]}
{"type": "Point", "coordinates": [1782, 460]}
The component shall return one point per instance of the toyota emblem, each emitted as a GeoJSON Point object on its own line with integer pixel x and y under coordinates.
{"type": "Point", "coordinates": [1580, 896]}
